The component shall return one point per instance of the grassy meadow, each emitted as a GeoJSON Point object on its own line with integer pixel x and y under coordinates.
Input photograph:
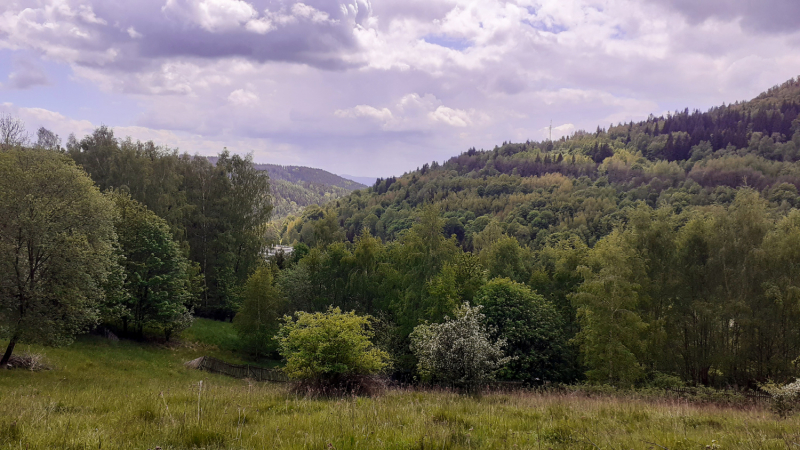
{"type": "Point", "coordinates": [124, 395]}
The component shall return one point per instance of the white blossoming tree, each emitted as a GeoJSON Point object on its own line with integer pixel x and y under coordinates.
{"type": "Point", "coordinates": [785, 399]}
{"type": "Point", "coordinates": [458, 352]}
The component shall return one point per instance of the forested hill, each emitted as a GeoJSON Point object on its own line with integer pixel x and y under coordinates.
{"type": "Point", "coordinates": [670, 247]}
{"type": "Point", "coordinates": [296, 187]}
{"type": "Point", "coordinates": [301, 174]}
{"type": "Point", "coordinates": [581, 185]}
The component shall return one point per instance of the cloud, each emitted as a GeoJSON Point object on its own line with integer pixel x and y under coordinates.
{"type": "Point", "coordinates": [134, 37]}
{"type": "Point", "coordinates": [26, 74]}
{"type": "Point", "coordinates": [301, 10]}
{"type": "Point", "coordinates": [211, 15]}
{"type": "Point", "coordinates": [361, 87]}
{"type": "Point", "coordinates": [364, 111]}
{"type": "Point", "coordinates": [767, 16]}
{"type": "Point", "coordinates": [450, 116]}
{"type": "Point", "coordinates": [242, 97]}
{"type": "Point", "coordinates": [413, 112]}
{"type": "Point", "coordinates": [54, 121]}
{"type": "Point", "coordinates": [556, 132]}
{"type": "Point", "coordinates": [133, 33]}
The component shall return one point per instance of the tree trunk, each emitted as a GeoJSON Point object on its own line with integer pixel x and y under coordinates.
{"type": "Point", "coordinates": [9, 351]}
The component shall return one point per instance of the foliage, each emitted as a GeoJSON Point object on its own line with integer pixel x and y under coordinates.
{"type": "Point", "coordinates": [56, 248]}
{"type": "Point", "coordinates": [329, 345]}
{"type": "Point", "coordinates": [460, 351]}
{"type": "Point", "coordinates": [158, 278]}
{"type": "Point", "coordinates": [668, 248]}
{"type": "Point", "coordinates": [291, 197]}
{"type": "Point", "coordinates": [217, 212]}
{"type": "Point", "coordinates": [607, 301]}
{"type": "Point", "coordinates": [257, 319]}
{"type": "Point", "coordinates": [532, 328]}
{"type": "Point", "coordinates": [785, 399]}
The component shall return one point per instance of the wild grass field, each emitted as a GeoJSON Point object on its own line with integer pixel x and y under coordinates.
{"type": "Point", "coordinates": [125, 395]}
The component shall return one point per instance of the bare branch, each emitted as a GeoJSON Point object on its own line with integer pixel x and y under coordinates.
{"type": "Point", "coordinates": [12, 132]}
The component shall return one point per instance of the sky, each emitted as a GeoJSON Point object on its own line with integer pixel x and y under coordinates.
{"type": "Point", "coordinates": [378, 88]}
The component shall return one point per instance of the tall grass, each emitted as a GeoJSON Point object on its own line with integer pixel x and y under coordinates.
{"type": "Point", "coordinates": [213, 332]}
{"type": "Point", "coordinates": [132, 396]}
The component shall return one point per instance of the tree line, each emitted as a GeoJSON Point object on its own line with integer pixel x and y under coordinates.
{"type": "Point", "coordinates": [130, 235]}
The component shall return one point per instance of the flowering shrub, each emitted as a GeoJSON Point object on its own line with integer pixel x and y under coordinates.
{"type": "Point", "coordinates": [785, 399]}
{"type": "Point", "coordinates": [459, 351]}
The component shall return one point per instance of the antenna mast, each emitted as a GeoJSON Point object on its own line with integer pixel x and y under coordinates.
{"type": "Point", "coordinates": [551, 130]}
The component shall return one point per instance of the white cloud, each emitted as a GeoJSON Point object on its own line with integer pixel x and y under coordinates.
{"type": "Point", "coordinates": [54, 121]}
{"type": "Point", "coordinates": [309, 13]}
{"type": "Point", "coordinates": [133, 33]}
{"type": "Point", "coordinates": [556, 132]}
{"type": "Point", "coordinates": [365, 111]}
{"type": "Point", "coordinates": [212, 15]}
{"type": "Point", "coordinates": [242, 97]}
{"type": "Point", "coordinates": [450, 116]}
{"type": "Point", "coordinates": [86, 13]}
{"type": "Point", "coordinates": [413, 112]}
{"type": "Point", "coordinates": [261, 26]}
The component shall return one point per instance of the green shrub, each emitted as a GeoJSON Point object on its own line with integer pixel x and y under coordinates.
{"type": "Point", "coordinates": [329, 348]}
{"type": "Point", "coordinates": [664, 381]}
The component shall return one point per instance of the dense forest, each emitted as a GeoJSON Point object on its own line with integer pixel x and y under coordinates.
{"type": "Point", "coordinates": [670, 247]}
{"type": "Point", "coordinates": [658, 253]}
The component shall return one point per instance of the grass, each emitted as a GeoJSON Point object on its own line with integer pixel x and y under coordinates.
{"type": "Point", "coordinates": [219, 339]}
{"type": "Point", "coordinates": [106, 395]}
{"type": "Point", "coordinates": [213, 332]}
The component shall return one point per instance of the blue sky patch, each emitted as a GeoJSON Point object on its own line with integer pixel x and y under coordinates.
{"type": "Point", "coordinates": [443, 40]}
{"type": "Point", "coordinates": [555, 28]}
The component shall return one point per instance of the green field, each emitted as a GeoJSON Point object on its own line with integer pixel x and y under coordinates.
{"type": "Point", "coordinates": [124, 395]}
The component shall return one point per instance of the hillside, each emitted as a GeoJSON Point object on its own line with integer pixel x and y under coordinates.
{"type": "Point", "coordinates": [296, 187]}
{"type": "Point", "coordinates": [308, 175]}
{"type": "Point", "coordinates": [582, 185]}
{"type": "Point", "coordinates": [128, 395]}
{"type": "Point", "coordinates": [669, 247]}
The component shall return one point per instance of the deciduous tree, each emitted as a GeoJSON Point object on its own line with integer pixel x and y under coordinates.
{"type": "Point", "coordinates": [56, 248]}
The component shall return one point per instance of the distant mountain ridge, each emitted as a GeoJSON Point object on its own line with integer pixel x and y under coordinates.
{"type": "Point", "coordinates": [295, 187]}
{"type": "Point", "coordinates": [296, 174]}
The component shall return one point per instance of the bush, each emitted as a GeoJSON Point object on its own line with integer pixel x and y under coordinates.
{"type": "Point", "coordinates": [532, 328]}
{"type": "Point", "coordinates": [458, 352]}
{"type": "Point", "coordinates": [785, 399]}
{"type": "Point", "coordinates": [330, 353]}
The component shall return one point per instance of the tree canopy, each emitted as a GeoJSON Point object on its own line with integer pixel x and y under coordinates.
{"type": "Point", "coordinates": [57, 248]}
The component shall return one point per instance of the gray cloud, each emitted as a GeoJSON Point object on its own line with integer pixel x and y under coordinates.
{"type": "Point", "coordinates": [769, 16]}
{"type": "Point", "coordinates": [379, 88]}
{"type": "Point", "coordinates": [135, 35]}
{"type": "Point", "coordinates": [26, 74]}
